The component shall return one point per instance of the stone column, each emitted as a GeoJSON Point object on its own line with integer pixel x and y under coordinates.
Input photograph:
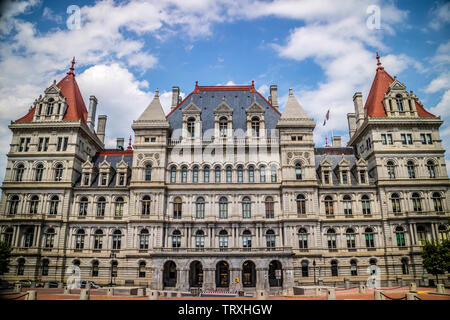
{"type": "Point", "coordinates": [183, 280]}
{"type": "Point", "coordinates": [156, 283]}
{"type": "Point", "coordinates": [208, 279]}
{"type": "Point", "coordinates": [261, 282]}
{"type": "Point", "coordinates": [235, 273]}
{"type": "Point", "coordinates": [288, 278]}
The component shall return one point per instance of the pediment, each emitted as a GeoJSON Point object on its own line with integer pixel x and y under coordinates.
{"type": "Point", "coordinates": [122, 164]}
{"type": "Point", "coordinates": [53, 89]}
{"type": "Point", "coordinates": [104, 164]}
{"type": "Point", "coordinates": [192, 108]}
{"type": "Point", "coordinates": [325, 162]}
{"type": "Point", "coordinates": [255, 107]}
{"type": "Point", "coordinates": [397, 86]}
{"type": "Point", "coordinates": [361, 162]}
{"type": "Point", "coordinates": [87, 164]}
{"type": "Point", "coordinates": [344, 162]}
{"type": "Point", "coordinates": [223, 107]}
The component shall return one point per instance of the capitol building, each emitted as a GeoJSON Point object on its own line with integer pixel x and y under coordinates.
{"type": "Point", "coordinates": [225, 192]}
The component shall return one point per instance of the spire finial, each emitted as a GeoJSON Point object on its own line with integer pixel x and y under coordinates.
{"type": "Point", "coordinates": [291, 93]}
{"type": "Point", "coordinates": [129, 145]}
{"type": "Point", "coordinates": [72, 68]}
{"type": "Point", "coordinates": [326, 141]}
{"type": "Point", "coordinates": [378, 62]}
{"type": "Point", "coordinates": [156, 94]}
{"type": "Point", "coordinates": [253, 84]}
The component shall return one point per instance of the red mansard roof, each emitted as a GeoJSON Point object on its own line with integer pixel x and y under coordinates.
{"type": "Point", "coordinates": [76, 109]}
{"type": "Point", "coordinates": [380, 85]}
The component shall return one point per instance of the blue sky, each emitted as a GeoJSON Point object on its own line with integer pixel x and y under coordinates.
{"type": "Point", "coordinates": [324, 50]}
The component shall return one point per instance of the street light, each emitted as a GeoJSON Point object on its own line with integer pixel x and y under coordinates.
{"type": "Point", "coordinates": [112, 255]}
{"type": "Point", "coordinates": [314, 264]}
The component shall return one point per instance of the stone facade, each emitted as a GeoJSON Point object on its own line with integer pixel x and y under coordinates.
{"type": "Point", "coordinates": [225, 192]}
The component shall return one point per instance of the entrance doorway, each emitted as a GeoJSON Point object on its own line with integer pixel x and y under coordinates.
{"type": "Point", "coordinates": [196, 274]}
{"type": "Point", "coordinates": [248, 274]}
{"type": "Point", "coordinates": [275, 274]}
{"type": "Point", "coordinates": [170, 274]}
{"type": "Point", "coordinates": [222, 274]}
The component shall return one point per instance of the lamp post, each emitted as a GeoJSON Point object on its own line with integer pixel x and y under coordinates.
{"type": "Point", "coordinates": [112, 255]}
{"type": "Point", "coordinates": [314, 264]}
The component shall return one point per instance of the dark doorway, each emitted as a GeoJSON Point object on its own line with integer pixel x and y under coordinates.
{"type": "Point", "coordinates": [248, 274]}
{"type": "Point", "coordinates": [196, 274]}
{"type": "Point", "coordinates": [170, 274]}
{"type": "Point", "coordinates": [222, 274]}
{"type": "Point", "coordinates": [275, 274]}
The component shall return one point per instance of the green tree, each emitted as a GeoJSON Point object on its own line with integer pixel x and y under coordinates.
{"type": "Point", "coordinates": [436, 257]}
{"type": "Point", "coordinates": [5, 253]}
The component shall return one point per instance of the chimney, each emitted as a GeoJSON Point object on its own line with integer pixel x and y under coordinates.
{"type": "Point", "coordinates": [175, 96]}
{"type": "Point", "coordinates": [273, 96]}
{"type": "Point", "coordinates": [91, 113]}
{"type": "Point", "coordinates": [351, 117]}
{"type": "Point", "coordinates": [336, 142]}
{"type": "Point", "coordinates": [359, 110]}
{"type": "Point", "coordinates": [101, 126]}
{"type": "Point", "coordinates": [120, 143]}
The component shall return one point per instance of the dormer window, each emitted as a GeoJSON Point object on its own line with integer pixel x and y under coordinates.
{"type": "Point", "coordinates": [223, 127]}
{"type": "Point", "coordinates": [362, 176]}
{"type": "Point", "coordinates": [345, 177]}
{"type": "Point", "coordinates": [326, 177]}
{"type": "Point", "coordinates": [50, 107]}
{"type": "Point", "coordinates": [103, 179]}
{"type": "Point", "coordinates": [121, 179]}
{"type": "Point", "coordinates": [86, 179]}
{"type": "Point", "coordinates": [191, 127]}
{"type": "Point", "coordinates": [399, 100]}
{"type": "Point", "coordinates": [255, 127]}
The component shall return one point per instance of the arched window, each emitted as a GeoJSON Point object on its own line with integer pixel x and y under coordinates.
{"type": "Point", "coordinates": [305, 268]}
{"type": "Point", "coordinates": [34, 204]}
{"type": "Point", "coordinates": [58, 172]}
{"type": "Point", "coordinates": [28, 238]}
{"type": "Point", "coordinates": [19, 172]}
{"type": "Point", "coordinates": [117, 240]}
{"type": "Point", "coordinates": [395, 199]}
{"type": "Point", "coordinates": [98, 239]}
{"type": "Point", "coordinates": [405, 267]}
{"type": "Point", "coordinates": [142, 269]}
{"type": "Point", "coordinates": [431, 169]}
{"type": "Point", "coordinates": [417, 202]}
{"type": "Point", "coordinates": [200, 208]}
{"type": "Point", "coordinates": [217, 174]}
{"type": "Point", "coordinates": [347, 205]}
{"type": "Point", "coordinates": [143, 239]}
{"type": "Point", "coordinates": [365, 202]}
{"type": "Point", "coordinates": [443, 232]}
{"type": "Point", "coordinates": [177, 206]}
{"type": "Point", "coordinates": [118, 212]}
{"type": "Point", "coordinates": [223, 239]}
{"type": "Point", "coordinates": [199, 239]}
{"type": "Point", "coordinates": [240, 174]}
{"type": "Point", "coordinates": [353, 268]}
{"type": "Point", "coordinates": [39, 172]}
{"type": "Point", "coordinates": [262, 174]}
{"type": "Point", "coordinates": [331, 239]}
{"type": "Point", "coordinates": [83, 206]}
{"type": "Point", "coordinates": [114, 268]}
{"type": "Point", "coordinates": [148, 172]}
{"type": "Point", "coordinates": [369, 235]}
{"type": "Point", "coordinates": [411, 170]}
{"type": "Point", "coordinates": [246, 208]}
{"type": "Point", "coordinates": [176, 239]}
{"type": "Point", "coordinates": [49, 238]}
{"type": "Point", "coordinates": [94, 272]}
{"type": "Point", "coordinates": [195, 174]}
{"type": "Point", "coordinates": [400, 236]}
{"type": "Point", "coordinates": [390, 169]}
{"type": "Point", "coordinates": [206, 174]}
{"type": "Point", "coordinates": [54, 201]}
{"type": "Point", "coordinates": [79, 239]}
{"type": "Point", "coordinates": [437, 202]}
{"type": "Point", "coordinates": [255, 127]}
{"type": "Point", "coordinates": [270, 211]}
{"type": "Point", "coordinates": [251, 174]}
{"type": "Point", "coordinates": [246, 239]}
{"type": "Point", "coordinates": [329, 210]}
{"type": "Point", "coordinates": [351, 238]}
{"type": "Point", "coordinates": [270, 239]}
{"type": "Point", "coordinates": [334, 268]}
{"type": "Point", "coordinates": [273, 173]}
{"type": "Point", "coordinates": [20, 267]}
{"type": "Point", "coordinates": [229, 174]}
{"type": "Point", "coordinates": [223, 125]}
{"type": "Point", "coordinates": [399, 100]}
{"type": "Point", "coordinates": [146, 201]}
{"type": "Point", "coordinates": [173, 174]}
{"type": "Point", "coordinates": [298, 171]}
{"type": "Point", "coordinates": [223, 208]}
{"type": "Point", "coordinates": [191, 127]}
{"type": "Point", "coordinates": [45, 267]}
{"type": "Point", "coordinates": [184, 174]}
{"type": "Point", "coordinates": [302, 238]}
{"type": "Point", "coordinates": [301, 204]}
{"type": "Point", "coordinates": [14, 204]}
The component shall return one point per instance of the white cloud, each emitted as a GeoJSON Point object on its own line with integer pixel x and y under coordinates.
{"type": "Point", "coordinates": [439, 16]}
{"type": "Point", "coordinates": [49, 14]}
{"type": "Point", "coordinates": [263, 89]}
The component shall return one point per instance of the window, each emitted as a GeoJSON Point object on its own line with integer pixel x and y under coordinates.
{"type": "Point", "coordinates": [331, 239]}
{"type": "Point", "coordinates": [146, 201]}
{"type": "Point", "coordinates": [223, 239]}
{"type": "Point", "coordinates": [195, 174]}
{"type": "Point", "coordinates": [399, 100]}
{"type": "Point", "coordinates": [142, 269]}
{"type": "Point", "coordinates": [21, 267]}
{"type": "Point", "coordinates": [370, 243]}
{"type": "Point", "coordinates": [54, 205]}
{"type": "Point", "coordinates": [362, 176]}
{"type": "Point", "coordinates": [217, 174]}
{"type": "Point", "coordinates": [14, 204]}
{"type": "Point", "coordinates": [421, 234]}
{"type": "Point", "coordinates": [223, 208]}
{"type": "Point", "coordinates": [353, 268]}
{"type": "Point", "coordinates": [270, 212]}
{"type": "Point", "coordinates": [58, 172]}
{"type": "Point", "coordinates": [246, 239]}
{"type": "Point", "coordinates": [177, 208]}
{"type": "Point", "coordinates": [270, 239]}
{"type": "Point", "coordinates": [443, 233]}
{"type": "Point", "coordinates": [429, 138]}
{"type": "Point", "coordinates": [94, 272]}
{"type": "Point", "coordinates": [403, 136]}
{"type": "Point", "coordinates": [200, 239]}
{"type": "Point", "coordinates": [148, 172]}
{"type": "Point", "coordinates": [50, 107]}
{"type": "Point", "coordinates": [395, 199]}
{"type": "Point", "coordinates": [206, 174]}
{"type": "Point", "coordinates": [411, 170]}
{"type": "Point", "coordinates": [66, 141]}
{"type": "Point", "coordinates": [304, 268]}
{"type": "Point", "coordinates": [79, 239]}
{"type": "Point", "coordinates": [301, 204]}
{"type": "Point", "coordinates": [8, 236]}
{"type": "Point", "coordinates": [389, 138]}
{"type": "Point", "coordinates": [391, 169]}
{"type": "Point", "coordinates": [246, 208]}
{"type": "Point", "coordinates": [409, 138]}
{"type": "Point", "coordinates": [19, 172]}
{"type": "Point", "coordinates": [431, 169]}
{"type": "Point", "coordinates": [49, 238]}
{"type": "Point", "coordinates": [101, 205]}
{"type": "Point", "coordinates": [39, 172]}
{"type": "Point", "coordinates": [405, 268]}
{"type": "Point", "coordinates": [116, 240]}
{"type": "Point", "coordinates": [34, 203]}
{"type": "Point", "coordinates": [118, 212]}
{"type": "Point", "coordinates": [200, 208]}
{"type": "Point", "coordinates": [223, 125]}
{"type": "Point", "coordinates": [365, 202]}
{"type": "Point", "coordinates": [422, 138]}
{"type": "Point", "coordinates": [28, 238]}
{"type": "Point", "coordinates": [345, 177]}
{"type": "Point", "coordinates": [298, 171]}
{"type": "Point", "coordinates": [40, 144]}
{"type": "Point", "coordinates": [114, 269]}
{"type": "Point", "coordinates": [329, 205]}
{"type": "Point", "coordinates": [143, 239]}
{"type": "Point", "coordinates": [437, 202]}
{"type": "Point", "coordinates": [347, 205]}
{"type": "Point", "coordinates": [251, 174]}
{"type": "Point", "coordinates": [184, 175]}
{"type": "Point", "coordinates": [191, 127]}
{"type": "Point", "coordinates": [334, 268]}
{"type": "Point", "coordinates": [383, 139]}
{"type": "Point", "coordinates": [417, 203]}
{"type": "Point", "coordinates": [176, 239]}
{"type": "Point", "coordinates": [229, 174]}
{"type": "Point", "coordinates": [302, 238]}
{"type": "Point", "coordinates": [255, 127]}
{"type": "Point", "coordinates": [173, 174]}
{"type": "Point", "coordinates": [59, 145]}
{"type": "Point", "coordinates": [273, 173]}
{"type": "Point", "coordinates": [400, 236]}
{"type": "Point", "coordinates": [121, 179]}
{"type": "Point", "coordinates": [98, 239]}
{"type": "Point", "coordinates": [262, 174]}
{"type": "Point", "coordinates": [350, 236]}
{"type": "Point", "coordinates": [83, 206]}
{"type": "Point", "coordinates": [326, 177]}
{"type": "Point", "coordinates": [240, 174]}
{"type": "Point", "coordinates": [103, 179]}
{"type": "Point", "coordinates": [86, 179]}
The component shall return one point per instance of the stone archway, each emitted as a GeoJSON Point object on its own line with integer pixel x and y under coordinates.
{"type": "Point", "coordinates": [170, 274]}
{"type": "Point", "coordinates": [248, 274]}
{"type": "Point", "coordinates": [196, 274]}
{"type": "Point", "coordinates": [275, 273]}
{"type": "Point", "coordinates": [222, 274]}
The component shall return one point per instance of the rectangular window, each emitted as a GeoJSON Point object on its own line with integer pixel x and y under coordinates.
{"type": "Point", "coordinates": [294, 138]}
{"type": "Point", "coordinates": [389, 138]}
{"type": "Point", "coordinates": [410, 140]}
{"type": "Point", "coordinates": [27, 144]}
{"type": "Point", "coordinates": [403, 138]}
{"type": "Point", "coordinates": [66, 140]}
{"type": "Point", "coordinates": [41, 142]}
{"type": "Point", "coordinates": [326, 177]}
{"type": "Point", "coordinates": [46, 140]}
{"type": "Point", "coordinates": [146, 139]}
{"type": "Point", "coordinates": [344, 177]}
{"type": "Point", "coordinates": [22, 142]}
{"type": "Point", "coordinates": [362, 176]}
{"type": "Point", "coordinates": [122, 179]}
{"type": "Point", "coordinates": [58, 147]}
{"type": "Point", "coordinates": [422, 138]}
{"type": "Point", "coordinates": [299, 138]}
{"type": "Point", "coordinates": [153, 139]}
{"type": "Point", "coordinates": [429, 139]}
{"type": "Point", "coordinates": [383, 139]}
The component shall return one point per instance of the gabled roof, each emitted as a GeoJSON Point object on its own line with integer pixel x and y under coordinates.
{"type": "Point", "coordinates": [293, 109]}
{"type": "Point", "coordinates": [154, 111]}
